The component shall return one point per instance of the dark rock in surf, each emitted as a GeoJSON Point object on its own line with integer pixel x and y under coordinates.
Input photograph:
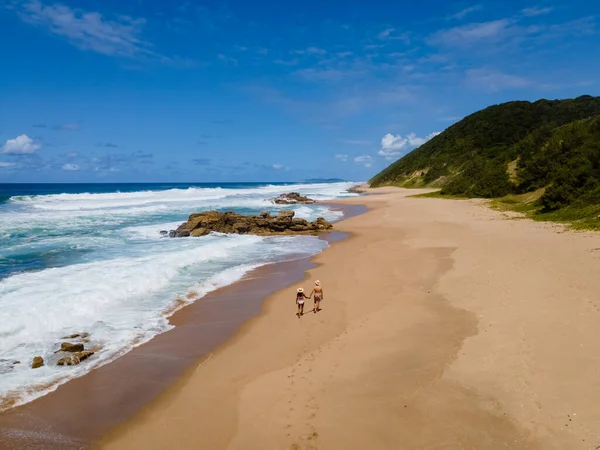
{"type": "Point", "coordinates": [77, 336]}
{"type": "Point", "coordinates": [292, 198]}
{"type": "Point", "coordinates": [38, 362]}
{"type": "Point", "coordinates": [74, 358]}
{"type": "Point", "coordinates": [199, 232]}
{"type": "Point", "coordinates": [164, 232]}
{"type": "Point", "coordinates": [358, 189]}
{"type": "Point", "coordinates": [321, 224]}
{"type": "Point", "coordinates": [68, 347]}
{"type": "Point", "coordinates": [263, 225]}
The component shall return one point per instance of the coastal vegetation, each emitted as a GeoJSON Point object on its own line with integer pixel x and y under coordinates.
{"type": "Point", "coordinates": [540, 158]}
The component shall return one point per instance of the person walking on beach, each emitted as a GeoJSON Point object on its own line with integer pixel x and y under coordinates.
{"type": "Point", "coordinates": [318, 292]}
{"type": "Point", "coordinates": [300, 297]}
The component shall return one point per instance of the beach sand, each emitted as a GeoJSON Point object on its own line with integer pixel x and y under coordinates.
{"type": "Point", "coordinates": [444, 326]}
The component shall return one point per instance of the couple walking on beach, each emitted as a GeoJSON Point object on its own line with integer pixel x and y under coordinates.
{"type": "Point", "coordinates": [301, 296]}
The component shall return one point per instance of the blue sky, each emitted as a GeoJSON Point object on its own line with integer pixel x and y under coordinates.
{"type": "Point", "coordinates": [183, 90]}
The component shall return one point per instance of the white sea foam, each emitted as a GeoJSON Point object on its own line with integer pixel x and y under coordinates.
{"type": "Point", "coordinates": [102, 267]}
{"type": "Point", "coordinates": [149, 231]}
{"type": "Point", "coordinates": [143, 199]}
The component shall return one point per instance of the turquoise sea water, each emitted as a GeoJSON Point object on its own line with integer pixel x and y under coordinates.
{"type": "Point", "coordinates": [90, 258]}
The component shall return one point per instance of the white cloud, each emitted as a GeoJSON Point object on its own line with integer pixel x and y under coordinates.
{"type": "Point", "coordinates": [72, 154]}
{"type": "Point", "coordinates": [389, 34]}
{"type": "Point", "coordinates": [385, 34]}
{"type": "Point", "coordinates": [365, 160]}
{"type": "Point", "coordinates": [315, 51]}
{"type": "Point", "coordinates": [21, 145]}
{"type": "Point", "coordinates": [461, 14]}
{"type": "Point", "coordinates": [472, 33]}
{"type": "Point", "coordinates": [532, 12]}
{"type": "Point", "coordinates": [394, 145]}
{"type": "Point", "coordinates": [278, 166]}
{"type": "Point", "coordinates": [6, 164]}
{"type": "Point", "coordinates": [310, 51]}
{"type": "Point", "coordinates": [493, 80]}
{"type": "Point", "coordinates": [227, 59]}
{"type": "Point", "coordinates": [290, 62]}
{"type": "Point", "coordinates": [511, 31]}
{"type": "Point", "coordinates": [322, 75]}
{"type": "Point", "coordinates": [70, 167]}
{"type": "Point", "coordinates": [341, 157]}
{"type": "Point", "coordinates": [343, 104]}
{"type": "Point", "coordinates": [415, 141]}
{"type": "Point", "coordinates": [88, 30]}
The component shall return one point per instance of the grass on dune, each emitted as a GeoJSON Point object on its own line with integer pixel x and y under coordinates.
{"type": "Point", "coordinates": [438, 194]}
{"type": "Point", "coordinates": [522, 203]}
{"type": "Point", "coordinates": [576, 217]}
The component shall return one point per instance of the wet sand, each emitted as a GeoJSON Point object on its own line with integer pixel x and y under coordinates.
{"type": "Point", "coordinates": [444, 326]}
{"type": "Point", "coordinates": [83, 410]}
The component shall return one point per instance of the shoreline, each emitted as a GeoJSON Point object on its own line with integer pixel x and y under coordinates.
{"type": "Point", "coordinates": [81, 411]}
{"type": "Point", "coordinates": [443, 326]}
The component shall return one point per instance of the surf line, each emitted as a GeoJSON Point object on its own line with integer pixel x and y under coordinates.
{"type": "Point", "coordinates": [202, 363]}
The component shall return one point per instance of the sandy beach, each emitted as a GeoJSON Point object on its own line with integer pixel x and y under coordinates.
{"type": "Point", "coordinates": [444, 325]}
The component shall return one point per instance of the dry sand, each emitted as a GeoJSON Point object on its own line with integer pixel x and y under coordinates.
{"type": "Point", "coordinates": [444, 326]}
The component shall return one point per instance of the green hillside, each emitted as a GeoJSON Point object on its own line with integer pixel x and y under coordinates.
{"type": "Point", "coordinates": [513, 148]}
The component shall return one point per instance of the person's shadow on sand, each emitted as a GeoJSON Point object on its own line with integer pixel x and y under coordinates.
{"type": "Point", "coordinates": [311, 311]}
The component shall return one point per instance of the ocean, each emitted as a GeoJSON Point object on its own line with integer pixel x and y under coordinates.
{"type": "Point", "coordinates": [90, 258]}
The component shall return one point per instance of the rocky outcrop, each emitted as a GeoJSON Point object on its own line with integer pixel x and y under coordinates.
{"type": "Point", "coordinates": [358, 189]}
{"type": "Point", "coordinates": [263, 225]}
{"type": "Point", "coordinates": [38, 362]}
{"type": "Point", "coordinates": [292, 198]}
{"type": "Point", "coordinates": [74, 358]}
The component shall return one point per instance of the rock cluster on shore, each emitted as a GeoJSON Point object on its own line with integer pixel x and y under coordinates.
{"type": "Point", "coordinates": [75, 358]}
{"type": "Point", "coordinates": [283, 223]}
{"type": "Point", "coordinates": [70, 354]}
{"type": "Point", "coordinates": [74, 353]}
{"type": "Point", "coordinates": [358, 189]}
{"type": "Point", "coordinates": [292, 198]}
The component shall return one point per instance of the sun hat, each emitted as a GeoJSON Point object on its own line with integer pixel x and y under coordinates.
{"type": "Point", "coordinates": [317, 282]}
{"type": "Point", "coordinates": [300, 290]}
